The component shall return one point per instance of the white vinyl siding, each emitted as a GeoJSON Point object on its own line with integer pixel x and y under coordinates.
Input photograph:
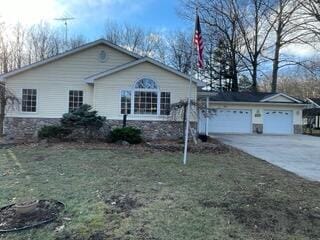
{"type": "Point", "coordinates": [53, 81]}
{"type": "Point", "coordinates": [107, 89]}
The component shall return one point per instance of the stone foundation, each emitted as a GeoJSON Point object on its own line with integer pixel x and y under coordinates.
{"type": "Point", "coordinates": [298, 129]}
{"type": "Point", "coordinates": [25, 129]}
{"type": "Point", "coordinates": [257, 128]}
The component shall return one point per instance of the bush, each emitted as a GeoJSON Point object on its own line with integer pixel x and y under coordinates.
{"type": "Point", "coordinates": [129, 134]}
{"type": "Point", "coordinates": [83, 118]}
{"type": "Point", "coordinates": [53, 131]}
{"type": "Point", "coordinates": [203, 137]}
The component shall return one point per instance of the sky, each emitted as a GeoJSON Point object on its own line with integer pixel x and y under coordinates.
{"type": "Point", "coordinates": [91, 15]}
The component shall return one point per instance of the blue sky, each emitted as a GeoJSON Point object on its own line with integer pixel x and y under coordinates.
{"type": "Point", "coordinates": [91, 16]}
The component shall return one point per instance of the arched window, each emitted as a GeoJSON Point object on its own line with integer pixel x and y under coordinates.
{"type": "Point", "coordinates": [146, 83]}
{"type": "Point", "coordinates": [146, 99]}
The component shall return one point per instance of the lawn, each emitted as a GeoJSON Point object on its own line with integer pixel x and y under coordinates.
{"type": "Point", "coordinates": [130, 193]}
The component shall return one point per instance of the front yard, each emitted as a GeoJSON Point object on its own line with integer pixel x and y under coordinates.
{"type": "Point", "coordinates": [131, 193]}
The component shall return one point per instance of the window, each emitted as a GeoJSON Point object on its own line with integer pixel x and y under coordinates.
{"type": "Point", "coordinates": [75, 100]}
{"type": "Point", "coordinates": [145, 98]}
{"type": "Point", "coordinates": [145, 102]}
{"type": "Point", "coordinates": [146, 83]}
{"type": "Point", "coordinates": [165, 103]}
{"type": "Point", "coordinates": [29, 100]}
{"type": "Point", "coordinates": [125, 102]}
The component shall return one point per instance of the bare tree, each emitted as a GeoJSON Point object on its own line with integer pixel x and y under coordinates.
{"type": "Point", "coordinates": [288, 29]}
{"type": "Point", "coordinates": [180, 49]}
{"type": "Point", "coordinates": [253, 20]}
{"type": "Point", "coordinates": [220, 21]}
{"type": "Point", "coordinates": [7, 100]}
{"type": "Point", "coordinates": [136, 39]}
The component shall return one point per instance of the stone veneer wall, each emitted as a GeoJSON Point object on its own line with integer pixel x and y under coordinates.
{"type": "Point", "coordinates": [25, 129]}
{"type": "Point", "coordinates": [298, 129]}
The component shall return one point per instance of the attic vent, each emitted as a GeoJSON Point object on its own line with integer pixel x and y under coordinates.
{"type": "Point", "coordinates": [102, 56]}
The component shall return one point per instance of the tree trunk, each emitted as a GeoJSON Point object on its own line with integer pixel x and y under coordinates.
{"type": "Point", "coordinates": [235, 85]}
{"type": "Point", "coordinates": [254, 87]}
{"type": "Point", "coordinates": [2, 108]}
{"type": "Point", "coordinates": [275, 67]}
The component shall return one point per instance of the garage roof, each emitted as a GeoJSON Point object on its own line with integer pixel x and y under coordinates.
{"type": "Point", "coordinates": [247, 97]}
{"type": "Point", "coordinates": [315, 100]}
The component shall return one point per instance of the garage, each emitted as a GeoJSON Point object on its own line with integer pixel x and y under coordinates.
{"type": "Point", "coordinates": [277, 122]}
{"type": "Point", "coordinates": [251, 113]}
{"type": "Point", "coordinates": [230, 121]}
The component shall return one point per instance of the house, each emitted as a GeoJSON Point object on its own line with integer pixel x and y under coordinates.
{"type": "Point", "coordinates": [247, 112]}
{"type": "Point", "coordinates": [116, 81]}
{"type": "Point", "coordinates": [110, 78]}
{"type": "Point", "coordinates": [312, 112]}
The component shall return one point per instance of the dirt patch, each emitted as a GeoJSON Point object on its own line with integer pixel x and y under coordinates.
{"type": "Point", "coordinates": [211, 146]}
{"type": "Point", "coordinates": [98, 236]}
{"type": "Point", "coordinates": [263, 214]}
{"type": "Point", "coordinates": [200, 147]}
{"type": "Point", "coordinates": [39, 158]}
{"type": "Point", "coordinates": [45, 211]}
{"type": "Point", "coordinates": [124, 203]}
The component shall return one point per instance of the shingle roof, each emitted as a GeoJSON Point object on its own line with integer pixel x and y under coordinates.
{"type": "Point", "coordinates": [315, 100]}
{"type": "Point", "coordinates": [240, 96]}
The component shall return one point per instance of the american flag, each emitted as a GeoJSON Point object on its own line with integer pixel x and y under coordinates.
{"type": "Point", "coordinates": [198, 41]}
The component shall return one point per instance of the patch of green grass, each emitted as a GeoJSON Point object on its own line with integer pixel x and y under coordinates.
{"type": "Point", "coordinates": [133, 194]}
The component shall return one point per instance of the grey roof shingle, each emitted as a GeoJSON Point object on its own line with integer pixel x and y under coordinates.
{"type": "Point", "coordinates": [239, 96]}
{"type": "Point", "coordinates": [316, 100]}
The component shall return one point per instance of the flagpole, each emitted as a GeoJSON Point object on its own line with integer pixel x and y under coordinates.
{"type": "Point", "coordinates": [188, 111]}
{"type": "Point", "coordinates": [185, 153]}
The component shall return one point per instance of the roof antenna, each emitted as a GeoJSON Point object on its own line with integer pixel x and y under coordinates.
{"type": "Point", "coordinates": [65, 20]}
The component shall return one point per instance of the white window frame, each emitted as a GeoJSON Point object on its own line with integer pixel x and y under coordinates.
{"type": "Point", "coordinates": [79, 90]}
{"type": "Point", "coordinates": [169, 103]}
{"type": "Point", "coordinates": [37, 100]}
{"type": "Point", "coordinates": [125, 90]}
{"type": "Point", "coordinates": [134, 90]}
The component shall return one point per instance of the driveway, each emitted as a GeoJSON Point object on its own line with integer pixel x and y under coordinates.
{"type": "Point", "coordinates": [296, 153]}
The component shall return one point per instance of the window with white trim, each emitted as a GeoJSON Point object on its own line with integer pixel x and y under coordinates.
{"type": "Point", "coordinates": [145, 98]}
{"type": "Point", "coordinates": [145, 102]}
{"type": "Point", "coordinates": [165, 103]}
{"type": "Point", "coordinates": [29, 100]}
{"type": "Point", "coordinates": [75, 99]}
{"type": "Point", "coordinates": [125, 102]}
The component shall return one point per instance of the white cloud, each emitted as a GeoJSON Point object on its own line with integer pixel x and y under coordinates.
{"type": "Point", "coordinates": [299, 50]}
{"type": "Point", "coordinates": [84, 11]}
{"type": "Point", "coordinates": [29, 12]}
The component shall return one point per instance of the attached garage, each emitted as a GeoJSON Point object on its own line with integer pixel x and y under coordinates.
{"type": "Point", "coordinates": [230, 121]}
{"type": "Point", "coordinates": [277, 122]}
{"type": "Point", "coordinates": [246, 112]}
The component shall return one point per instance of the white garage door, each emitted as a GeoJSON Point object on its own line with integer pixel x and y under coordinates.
{"type": "Point", "coordinates": [230, 121]}
{"type": "Point", "coordinates": [277, 122]}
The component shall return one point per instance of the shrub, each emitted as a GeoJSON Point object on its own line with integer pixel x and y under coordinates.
{"type": "Point", "coordinates": [83, 118]}
{"type": "Point", "coordinates": [130, 134]}
{"type": "Point", "coordinates": [53, 131]}
{"type": "Point", "coordinates": [203, 137]}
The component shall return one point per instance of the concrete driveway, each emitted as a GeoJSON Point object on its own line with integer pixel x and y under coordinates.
{"type": "Point", "coordinates": [296, 153]}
